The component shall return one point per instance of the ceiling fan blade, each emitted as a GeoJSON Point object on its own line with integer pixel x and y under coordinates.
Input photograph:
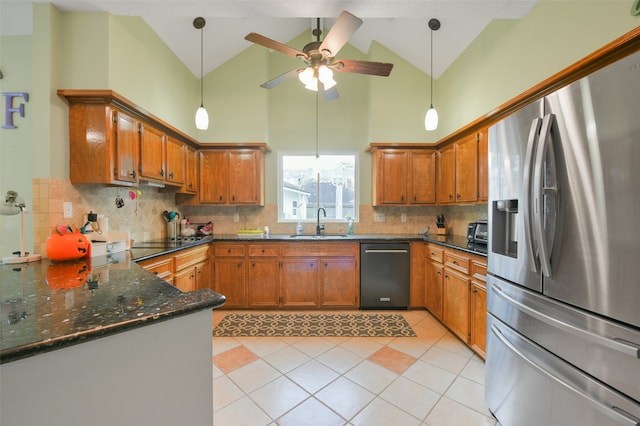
{"type": "Point", "coordinates": [275, 45]}
{"type": "Point", "coordinates": [329, 94]}
{"type": "Point", "coordinates": [339, 34]}
{"type": "Point", "coordinates": [363, 67]}
{"type": "Point", "coordinates": [281, 78]}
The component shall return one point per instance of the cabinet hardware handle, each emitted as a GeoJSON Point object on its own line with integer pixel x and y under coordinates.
{"type": "Point", "coordinates": [439, 273]}
{"type": "Point", "coordinates": [253, 265]}
{"type": "Point", "coordinates": [162, 172]}
{"type": "Point", "coordinates": [450, 196]}
{"type": "Point", "coordinates": [263, 250]}
{"type": "Point", "coordinates": [132, 174]}
{"type": "Point", "coordinates": [455, 262]}
{"type": "Point", "coordinates": [220, 198]}
{"type": "Point", "coordinates": [458, 195]}
{"type": "Point", "coordinates": [171, 175]}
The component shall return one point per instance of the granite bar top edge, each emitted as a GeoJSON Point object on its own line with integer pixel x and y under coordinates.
{"type": "Point", "coordinates": [52, 322]}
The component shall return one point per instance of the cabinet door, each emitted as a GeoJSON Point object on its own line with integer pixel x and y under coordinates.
{"type": "Point", "coordinates": [478, 316]}
{"type": "Point", "coordinates": [422, 177]}
{"type": "Point", "coordinates": [229, 279]}
{"type": "Point", "coordinates": [483, 165]}
{"type": "Point", "coordinates": [213, 181]}
{"type": "Point", "coordinates": [433, 288]}
{"type": "Point", "coordinates": [445, 175]}
{"type": "Point", "coordinates": [191, 175]}
{"type": "Point", "coordinates": [391, 177]}
{"type": "Point", "coordinates": [338, 282]}
{"type": "Point", "coordinates": [185, 280]}
{"type": "Point", "coordinates": [204, 275]}
{"type": "Point", "coordinates": [456, 303]}
{"type": "Point", "coordinates": [152, 153]}
{"type": "Point", "coordinates": [299, 282]}
{"type": "Point", "coordinates": [176, 157]}
{"type": "Point", "coordinates": [127, 147]}
{"type": "Point", "coordinates": [467, 169]}
{"type": "Point", "coordinates": [262, 282]}
{"type": "Point", "coordinates": [245, 176]}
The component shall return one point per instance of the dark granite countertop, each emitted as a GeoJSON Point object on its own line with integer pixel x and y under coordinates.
{"type": "Point", "coordinates": [457, 242]}
{"type": "Point", "coordinates": [48, 305]}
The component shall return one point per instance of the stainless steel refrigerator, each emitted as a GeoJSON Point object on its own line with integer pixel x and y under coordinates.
{"type": "Point", "coordinates": [563, 301]}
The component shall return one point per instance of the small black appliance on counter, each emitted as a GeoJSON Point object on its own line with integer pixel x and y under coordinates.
{"type": "Point", "coordinates": [478, 232]}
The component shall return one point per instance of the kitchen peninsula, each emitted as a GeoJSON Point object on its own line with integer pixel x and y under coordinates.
{"type": "Point", "coordinates": [131, 347]}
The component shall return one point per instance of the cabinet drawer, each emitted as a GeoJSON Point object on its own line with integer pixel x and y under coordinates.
{"type": "Point", "coordinates": [162, 267]}
{"type": "Point", "coordinates": [321, 249]}
{"type": "Point", "coordinates": [191, 256]}
{"type": "Point", "coordinates": [457, 262]}
{"type": "Point", "coordinates": [479, 270]}
{"type": "Point", "coordinates": [435, 253]}
{"type": "Point", "coordinates": [229, 250]}
{"type": "Point", "coordinates": [263, 250]}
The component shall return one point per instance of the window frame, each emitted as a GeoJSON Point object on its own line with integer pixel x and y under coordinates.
{"type": "Point", "coordinates": [307, 153]}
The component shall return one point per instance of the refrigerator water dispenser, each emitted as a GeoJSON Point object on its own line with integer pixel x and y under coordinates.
{"type": "Point", "coordinates": [504, 237]}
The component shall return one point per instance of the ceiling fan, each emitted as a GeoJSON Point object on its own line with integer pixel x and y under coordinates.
{"type": "Point", "coordinates": [320, 57]}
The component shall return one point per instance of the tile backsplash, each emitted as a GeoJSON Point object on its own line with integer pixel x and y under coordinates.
{"type": "Point", "coordinates": [142, 216]}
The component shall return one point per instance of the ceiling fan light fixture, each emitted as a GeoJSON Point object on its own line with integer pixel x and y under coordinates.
{"type": "Point", "coordinates": [431, 118]}
{"type": "Point", "coordinates": [306, 76]}
{"type": "Point", "coordinates": [202, 117]}
{"type": "Point", "coordinates": [325, 75]}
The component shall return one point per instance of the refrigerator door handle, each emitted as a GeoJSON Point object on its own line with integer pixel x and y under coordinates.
{"type": "Point", "coordinates": [565, 378]}
{"type": "Point", "coordinates": [545, 156]}
{"type": "Point", "coordinates": [532, 141]}
{"type": "Point", "coordinates": [537, 312]}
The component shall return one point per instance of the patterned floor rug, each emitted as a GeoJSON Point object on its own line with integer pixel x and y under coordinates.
{"type": "Point", "coordinates": [311, 325]}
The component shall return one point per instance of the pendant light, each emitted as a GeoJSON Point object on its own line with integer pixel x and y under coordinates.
{"type": "Point", "coordinates": [202, 117]}
{"type": "Point", "coordinates": [431, 119]}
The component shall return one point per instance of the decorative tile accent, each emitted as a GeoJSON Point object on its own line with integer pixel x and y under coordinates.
{"type": "Point", "coordinates": [234, 359]}
{"type": "Point", "coordinates": [392, 359]}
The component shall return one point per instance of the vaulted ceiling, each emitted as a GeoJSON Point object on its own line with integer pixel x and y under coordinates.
{"type": "Point", "coordinates": [400, 26]}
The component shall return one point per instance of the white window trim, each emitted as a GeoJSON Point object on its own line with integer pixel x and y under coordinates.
{"type": "Point", "coordinates": [356, 177]}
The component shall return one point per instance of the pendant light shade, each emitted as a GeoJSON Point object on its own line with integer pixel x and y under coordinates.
{"type": "Point", "coordinates": [431, 118]}
{"type": "Point", "coordinates": [202, 117]}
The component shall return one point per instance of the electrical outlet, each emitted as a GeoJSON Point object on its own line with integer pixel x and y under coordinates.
{"type": "Point", "coordinates": [67, 210]}
{"type": "Point", "coordinates": [403, 217]}
{"type": "Point", "coordinates": [236, 217]}
{"type": "Point", "coordinates": [379, 217]}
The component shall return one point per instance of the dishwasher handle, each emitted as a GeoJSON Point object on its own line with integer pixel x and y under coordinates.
{"type": "Point", "coordinates": [386, 251]}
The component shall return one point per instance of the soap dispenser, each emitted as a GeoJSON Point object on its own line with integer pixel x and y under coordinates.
{"type": "Point", "coordinates": [299, 229]}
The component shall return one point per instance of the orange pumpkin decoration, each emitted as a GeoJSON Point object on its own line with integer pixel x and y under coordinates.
{"type": "Point", "coordinates": [67, 246]}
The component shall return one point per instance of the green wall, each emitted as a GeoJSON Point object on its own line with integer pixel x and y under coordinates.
{"type": "Point", "coordinates": [509, 56]}
{"type": "Point", "coordinates": [100, 51]}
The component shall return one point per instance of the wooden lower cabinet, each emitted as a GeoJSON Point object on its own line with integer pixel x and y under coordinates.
{"type": "Point", "coordinates": [338, 286]}
{"type": "Point", "coordinates": [456, 303]}
{"type": "Point", "coordinates": [455, 293]}
{"type": "Point", "coordinates": [188, 269]}
{"type": "Point", "coordinates": [299, 283]}
{"type": "Point", "coordinates": [284, 275]}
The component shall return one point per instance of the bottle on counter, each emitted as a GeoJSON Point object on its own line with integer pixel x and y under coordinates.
{"type": "Point", "coordinates": [350, 227]}
{"type": "Point", "coordinates": [266, 231]}
{"type": "Point", "coordinates": [299, 229]}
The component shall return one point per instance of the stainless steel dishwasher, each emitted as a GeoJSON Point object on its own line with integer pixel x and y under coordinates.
{"type": "Point", "coordinates": [384, 275]}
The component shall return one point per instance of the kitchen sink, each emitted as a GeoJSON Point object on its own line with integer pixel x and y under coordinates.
{"type": "Point", "coordinates": [320, 236]}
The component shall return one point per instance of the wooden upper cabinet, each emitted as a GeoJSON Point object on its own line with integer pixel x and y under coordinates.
{"type": "Point", "coordinates": [232, 177]}
{"type": "Point", "coordinates": [422, 177]}
{"type": "Point", "coordinates": [446, 175]}
{"type": "Point", "coordinates": [191, 171]}
{"type": "Point", "coordinates": [213, 170]}
{"type": "Point", "coordinates": [103, 145]}
{"type": "Point", "coordinates": [483, 165]}
{"type": "Point", "coordinates": [403, 176]}
{"type": "Point", "coordinates": [175, 162]}
{"type": "Point", "coordinates": [246, 183]}
{"type": "Point", "coordinates": [390, 184]}
{"type": "Point", "coordinates": [113, 141]}
{"type": "Point", "coordinates": [152, 153]}
{"type": "Point", "coordinates": [466, 166]}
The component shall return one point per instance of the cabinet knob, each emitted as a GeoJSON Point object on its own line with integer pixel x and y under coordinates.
{"type": "Point", "coordinates": [455, 262]}
{"type": "Point", "coordinates": [132, 174]}
{"type": "Point", "coordinates": [162, 172]}
{"type": "Point", "coordinates": [263, 250]}
{"type": "Point", "coordinates": [171, 175]}
{"type": "Point", "coordinates": [228, 250]}
{"type": "Point", "coordinates": [458, 195]}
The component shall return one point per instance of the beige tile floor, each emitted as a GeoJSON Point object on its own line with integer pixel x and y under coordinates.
{"type": "Point", "coordinates": [432, 379]}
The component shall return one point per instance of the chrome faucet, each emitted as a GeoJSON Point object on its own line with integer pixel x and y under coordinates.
{"type": "Point", "coordinates": [320, 228]}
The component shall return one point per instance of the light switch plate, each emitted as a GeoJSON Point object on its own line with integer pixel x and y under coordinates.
{"type": "Point", "coordinates": [67, 210]}
{"type": "Point", "coordinates": [403, 217]}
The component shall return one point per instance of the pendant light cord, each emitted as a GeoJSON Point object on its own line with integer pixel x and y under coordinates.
{"type": "Point", "coordinates": [317, 154]}
{"type": "Point", "coordinates": [431, 63]}
{"type": "Point", "coordinates": [201, 69]}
